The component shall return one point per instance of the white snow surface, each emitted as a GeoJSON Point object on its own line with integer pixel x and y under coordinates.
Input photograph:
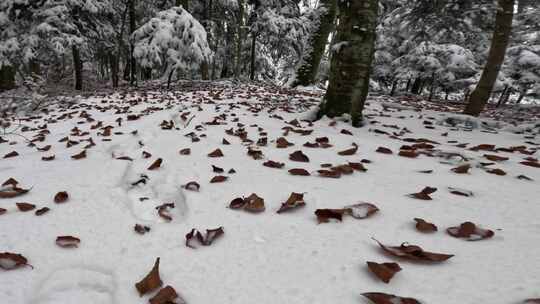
{"type": "Point", "coordinates": [268, 257]}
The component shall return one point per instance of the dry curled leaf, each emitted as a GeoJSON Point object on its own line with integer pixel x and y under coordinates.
{"type": "Point", "coordinates": [358, 167]}
{"type": "Point", "coordinates": [141, 229]}
{"type": "Point", "coordinates": [2, 211]}
{"type": "Point", "coordinates": [11, 189]}
{"type": "Point", "coordinates": [61, 197]}
{"type": "Point", "coordinates": [493, 157]}
{"type": "Point", "coordinates": [329, 173]}
{"type": "Point", "coordinates": [42, 211]}
{"type": "Point", "coordinates": [462, 169]}
{"type": "Point", "coordinates": [299, 171]}
{"type": "Point", "coordinates": [423, 226]}
{"type": "Point", "coordinates": [254, 203]}
{"type": "Point", "coordinates": [186, 151]}
{"type": "Point", "coordinates": [534, 164]}
{"type": "Point", "coordinates": [166, 295]}
{"type": "Point", "coordinates": [163, 211]}
{"type": "Point", "coordinates": [24, 207]}
{"type": "Point", "coordinates": [497, 171]}
{"type": "Point", "coordinates": [151, 281]}
{"type": "Point", "coordinates": [273, 164]}
{"type": "Point", "coordinates": [10, 261]}
{"type": "Point", "coordinates": [299, 157]}
{"type": "Point", "coordinates": [384, 298]}
{"type": "Point", "coordinates": [470, 232]}
{"type": "Point", "coordinates": [68, 241]}
{"type": "Point", "coordinates": [383, 150]}
{"type": "Point", "coordinates": [156, 164]}
{"type": "Point", "coordinates": [207, 240]}
{"type": "Point", "coordinates": [408, 153]}
{"type": "Point", "coordinates": [384, 271]}
{"type": "Point", "coordinates": [361, 210]}
{"type": "Point", "coordinates": [11, 154]}
{"type": "Point", "coordinates": [48, 158]}
{"type": "Point", "coordinates": [192, 186]}
{"type": "Point", "coordinates": [414, 252]}
{"type": "Point", "coordinates": [79, 155]}
{"type": "Point", "coordinates": [462, 192]}
{"type": "Point", "coordinates": [295, 200]}
{"type": "Point", "coordinates": [282, 143]}
{"type": "Point", "coordinates": [324, 215]}
{"type": "Point", "coordinates": [218, 179]}
{"type": "Point", "coordinates": [350, 151]}
{"type": "Point", "coordinates": [215, 153]}
{"type": "Point", "coordinates": [424, 194]}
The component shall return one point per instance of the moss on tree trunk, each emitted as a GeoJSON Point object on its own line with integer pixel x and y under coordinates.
{"type": "Point", "coordinates": [351, 61]}
{"type": "Point", "coordinates": [307, 72]}
{"type": "Point", "coordinates": [501, 37]}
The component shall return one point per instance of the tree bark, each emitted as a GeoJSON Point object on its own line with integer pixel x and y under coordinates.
{"type": "Point", "coordinates": [497, 51]}
{"type": "Point", "coordinates": [253, 55]}
{"type": "Point", "coordinates": [77, 66]}
{"type": "Point", "coordinates": [351, 63]}
{"type": "Point", "coordinates": [307, 72]}
{"type": "Point", "coordinates": [240, 38]}
{"type": "Point", "coordinates": [132, 63]}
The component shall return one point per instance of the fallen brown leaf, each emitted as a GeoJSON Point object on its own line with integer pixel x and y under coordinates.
{"type": "Point", "coordinates": [383, 298]}
{"type": "Point", "coordinates": [384, 271]}
{"type": "Point", "coordinates": [68, 241]}
{"type": "Point", "coordinates": [423, 226]}
{"type": "Point", "coordinates": [470, 232]}
{"type": "Point", "coordinates": [151, 281]}
{"type": "Point", "coordinates": [414, 252]}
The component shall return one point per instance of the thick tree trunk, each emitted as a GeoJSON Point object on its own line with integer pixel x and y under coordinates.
{"type": "Point", "coordinates": [239, 39]}
{"type": "Point", "coordinates": [497, 51]}
{"type": "Point", "coordinates": [394, 86]}
{"type": "Point", "coordinates": [7, 78]}
{"type": "Point", "coordinates": [351, 63]}
{"type": "Point", "coordinates": [253, 55]}
{"type": "Point", "coordinates": [132, 63]}
{"type": "Point", "coordinates": [307, 72]}
{"type": "Point", "coordinates": [77, 67]}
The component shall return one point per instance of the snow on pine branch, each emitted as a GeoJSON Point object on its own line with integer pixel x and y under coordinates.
{"type": "Point", "coordinates": [174, 38]}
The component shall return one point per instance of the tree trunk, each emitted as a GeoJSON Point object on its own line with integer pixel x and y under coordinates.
{"type": "Point", "coordinates": [502, 97]}
{"type": "Point", "coordinates": [113, 62]}
{"type": "Point", "coordinates": [417, 86]}
{"type": "Point", "coordinates": [253, 45]}
{"type": "Point", "coordinates": [132, 63]}
{"type": "Point", "coordinates": [77, 66]}
{"type": "Point", "coordinates": [240, 38]}
{"type": "Point", "coordinates": [351, 63]}
{"type": "Point", "coordinates": [497, 51]}
{"type": "Point", "coordinates": [7, 78]}
{"type": "Point", "coordinates": [307, 72]}
{"type": "Point", "coordinates": [394, 86]}
{"type": "Point", "coordinates": [521, 96]}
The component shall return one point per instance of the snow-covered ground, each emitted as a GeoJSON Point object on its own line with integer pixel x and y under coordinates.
{"type": "Point", "coordinates": [263, 257]}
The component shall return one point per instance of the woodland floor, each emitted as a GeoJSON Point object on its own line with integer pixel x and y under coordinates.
{"type": "Point", "coordinates": [265, 257]}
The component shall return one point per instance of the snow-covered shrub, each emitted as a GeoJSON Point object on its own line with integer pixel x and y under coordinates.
{"type": "Point", "coordinates": [173, 39]}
